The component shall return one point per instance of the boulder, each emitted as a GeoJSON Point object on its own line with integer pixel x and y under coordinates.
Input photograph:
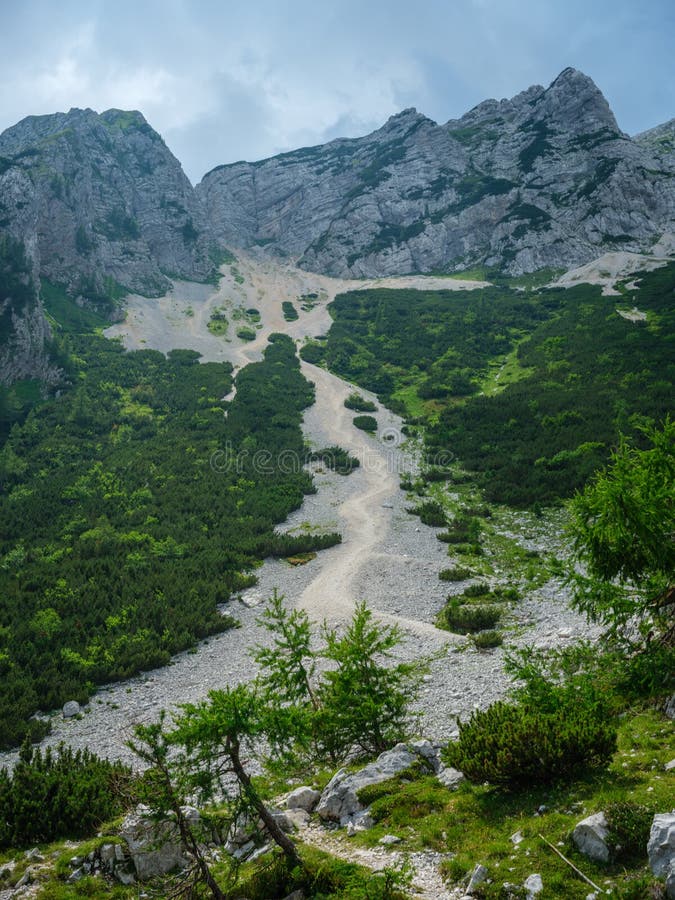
{"type": "Point", "coordinates": [533, 885]}
{"type": "Point", "coordinates": [669, 709]}
{"type": "Point", "coordinates": [661, 847]}
{"type": "Point", "coordinates": [339, 801]}
{"type": "Point", "coordinates": [478, 876]}
{"type": "Point", "coordinates": [450, 778]}
{"type": "Point", "coordinates": [303, 798]}
{"type": "Point", "coordinates": [590, 837]}
{"type": "Point", "coordinates": [71, 708]}
{"type": "Point", "coordinates": [389, 840]}
{"type": "Point", "coordinates": [155, 848]}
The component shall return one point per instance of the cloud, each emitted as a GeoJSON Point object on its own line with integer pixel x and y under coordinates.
{"type": "Point", "coordinates": [246, 80]}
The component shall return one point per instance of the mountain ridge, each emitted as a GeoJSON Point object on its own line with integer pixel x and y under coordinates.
{"type": "Point", "coordinates": [545, 178]}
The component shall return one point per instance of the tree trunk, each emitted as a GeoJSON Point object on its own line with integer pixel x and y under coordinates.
{"type": "Point", "coordinates": [275, 831]}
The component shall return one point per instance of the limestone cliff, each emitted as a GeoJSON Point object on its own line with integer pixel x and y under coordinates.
{"type": "Point", "coordinates": [546, 178]}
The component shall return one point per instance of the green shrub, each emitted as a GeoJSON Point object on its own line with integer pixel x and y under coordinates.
{"type": "Point", "coordinates": [629, 825]}
{"type": "Point", "coordinates": [366, 423]}
{"type": "Point", "coordinates": [312, 352]}
{"type": "Point", "coordinates": [466, 619]}
{"type": "Point", "coordinates": [476, 590]}
{"type": "Point", "coordinates": [290, 312]}
{"type": "Point", "coordinates": [514, 744]}
{"type": "Point", "coordinates": [246, 334]}
{"type": "Point", "coordinates": [455, 573]}
{"type": "Point", "coordinates": [61, 794]}
{"type": "Point", "coordinates": [335, 458]}
{"type": "Point", "coordinates": [430, 513]}
{"type": "Point", "coordinates": [486, 640]}
{"type": "Point", "coordinates": [359, 404]}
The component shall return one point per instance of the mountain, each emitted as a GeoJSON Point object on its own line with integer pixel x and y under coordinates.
{"type": "Point", "coordinates": [546, 178]}
{"type": "Point", "coordinates": [101, 207]}
{"type": "Point", "coordinates": [107, 199]}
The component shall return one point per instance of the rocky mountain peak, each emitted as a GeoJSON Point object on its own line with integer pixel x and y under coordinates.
{"type": "Point", "coordinates": [111, 201]}
{"type": "Point", "coordinates": [574, 102]}
{"type": "Point", "coordinates": [545, 178]}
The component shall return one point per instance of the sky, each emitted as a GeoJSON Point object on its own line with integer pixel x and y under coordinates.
{"type": "Point", "coordinates": [224, 80]}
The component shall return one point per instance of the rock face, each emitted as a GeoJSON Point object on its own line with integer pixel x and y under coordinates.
{"type": "Point", "coordinates": [661, 850]}
{"type": "Point", "coordinates": [154, 848]}
{"type": "Point", "coordinates": [543, 179]}
{"type": "Point", "coordinates": [106, 198]}
{"type": "Point", "coordinates": [590, 837]}
{"type": "Point", "coordinates": [99, 205]}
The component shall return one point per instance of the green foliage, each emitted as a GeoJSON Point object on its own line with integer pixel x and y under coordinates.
{"type": "Point", "coordinates": [335, 458]}
{"type": "Point", "coordinates": [70, 317]}
{"type": "Point", "coordinates": [365, 702]}
{"type": "Point", "coordinates": [455, 573]}
{"type": "Point", "coordinates": [289, 310]}
{"type": "Point", "coordinates": [518, 744]}
{"type": "Point", "coordinates": [218, 323]}
{"type": "Point", "coordinates": [59, 794]}
{"type": "Point", "coordinates": [366, 423]}
{"type": "Point", "coordinates": [360, 701]}
{"type": "Point", "coordinates": [108, 567]}
{"type": "Point", "coordinates": [466, 618]}
{"type": "Point", "coordinates": [584, 374]}
{"type": "Point", "coordinates": [246, 334]}
{"type": "Point", "coordinates": [360, 404]}
{"type": "Point", "coordinates": [487, 640]}
{"type": "Point", "coordinates": [629, 824]}
{"type": "Point", "coordinates": [431, 513]}
{"type": "Point", "coordinates": [622, 527]}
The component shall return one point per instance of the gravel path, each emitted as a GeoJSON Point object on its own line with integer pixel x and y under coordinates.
{"type": "Point", "coordinates": [387, 557]}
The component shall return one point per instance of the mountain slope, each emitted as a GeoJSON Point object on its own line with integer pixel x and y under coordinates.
{"type": "Point", "coordinates": [101, 207]}
{"type": "Point", "coordinates": [109, 199]}
{"type": "Point", "coordinates": [544, 179]}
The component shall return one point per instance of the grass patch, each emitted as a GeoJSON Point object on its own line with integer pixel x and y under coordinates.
{"type": "Point", "coordinates": [218, 323]}
{"type": "Point", "coordinates": [476, 822]}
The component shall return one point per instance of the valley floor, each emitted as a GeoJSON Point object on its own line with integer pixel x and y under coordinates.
{"type": "Point", "coordinates": [387, 557]}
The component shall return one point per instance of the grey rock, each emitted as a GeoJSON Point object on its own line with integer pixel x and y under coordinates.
{"type": "Point", "coordinates": [298, 818]}
{"type": "Point", "coordinates": [107, 854]}
{"type": "Point", "coordinates": [34, 855]}
{"type": "Point", "coordinates": [388, 840]}
{"type": "Point", "coordinates": [478, 876]}
{"type": "Point", "coordinates": [670, 882]}
{"type": "Point", "coordinates": [339, 801]}
{"type": "Point", "coordinates": [155, 848]}
{"type": "Point", "coordinates": [25, 879]}
{"type": "Point", "coordinates": [669, 766]}
{"type": "Point", "coordinates": [71, 708]}
{"type": "Point", "coordinates": [109, 199]}
{"type": "Point", "coordinates": [669, 709]}
{"type": "Point", "coordinates": [429, 752]}
{"type": "Point", "coordinates": [303, 798]}
{"type": "Point", "coordinates": [590, 837]}
{"type": "Point", "coordinates": [75, 876]}
{"type": "Point", "coordinates": [661, 844]}
{"type": "Point", "coordinates": [533, 885]}
{"type": "Point", "coordinates": [450, 778]}
{"type": "Point", "coordinates": [93, 199]}
{"type": "Point", "coordinates": [545, 178]}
